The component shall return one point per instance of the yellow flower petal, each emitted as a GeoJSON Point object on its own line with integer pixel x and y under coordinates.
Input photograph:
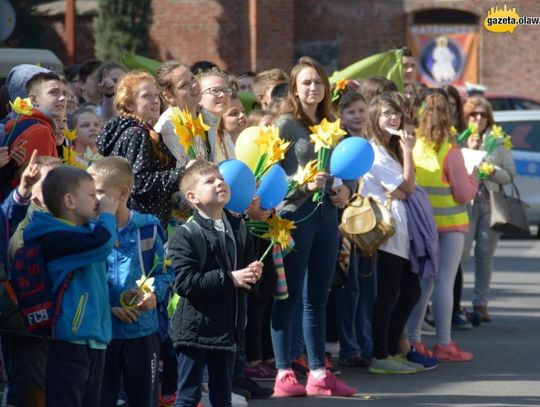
{"type": "Point", "coordinates": [22, 106]}
{"type": "Point", "coordinates": [71, 135]}
{"type": "Point", "coordinates": [326, 134]}
{"type": "Point", "coordinates": [307, 174]}
{"type": "Point", "coordinates": [507, 143]}
{"type": "Point", "coordinates": [146, 284]}
{"type": "Point", "coordinates": [497, 131]}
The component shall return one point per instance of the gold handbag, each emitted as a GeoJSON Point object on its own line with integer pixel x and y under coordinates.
{"type": "Point", "coordinates": [367, 223]}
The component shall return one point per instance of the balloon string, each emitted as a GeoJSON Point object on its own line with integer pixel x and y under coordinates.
{"type": "Point", "coordinates": [319, 203]}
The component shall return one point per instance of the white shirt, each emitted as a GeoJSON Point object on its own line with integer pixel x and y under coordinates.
{"type": "Point", "coordinates": [385, 176]}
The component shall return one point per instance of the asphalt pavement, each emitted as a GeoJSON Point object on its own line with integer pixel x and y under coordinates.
{"type": "Point", "coordinates": [506, 367]}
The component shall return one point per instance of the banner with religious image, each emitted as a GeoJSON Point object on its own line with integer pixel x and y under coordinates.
{"type": "Point", "coordinates": [445, 54]}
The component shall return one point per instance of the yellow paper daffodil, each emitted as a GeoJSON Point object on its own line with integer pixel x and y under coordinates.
{"type": "Point", "coordinates": [279, 230]}
{"type": "Point", "coordinates": [507, 142]}
{"type": "Point", "coordinates": [307, 174]}
{"type": "Point", "coordinates": [474, 128]}
{"type": "Point", "coordinates": [453, 131]}
{"type": "Point", "coordinates": [146, 284]}
{"type": "Point", "coordinates": [342, 84]}
{"type": "Point", "coordinates": [70, 135]}
{"type": "Point", "coordinates": [326, 134]}
{"type": "Point", "coordinates": [71, 157]}
{"type": "Point", "coordinates": [497, 131]}
{"type": "Point", "coordinates": [200, 127]}
{"type": "Point", "coordinates": [22, 106]}
{"type": "Point", "coordinates": [90, 156]}
{"type": "Point", "coordinates": [486, 168]}
{"type": "Point", "coordinates": [267, 137]}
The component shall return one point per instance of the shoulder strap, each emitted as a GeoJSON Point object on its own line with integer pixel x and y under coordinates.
{"type": "Point", "coordinates": [146, 238]}
{"type": "Point", "coordinates": [18, 129]}
{"type": "Point", "coordinates": [196, 233]}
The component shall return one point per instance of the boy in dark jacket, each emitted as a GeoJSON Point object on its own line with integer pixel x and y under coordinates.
{"type": "Point", "coordinates": [213, 268]}
{"type": "Point", "coordinates": [72, 245]}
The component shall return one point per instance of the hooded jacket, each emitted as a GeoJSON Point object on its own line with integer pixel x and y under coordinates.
{"type": "Point", "coordinates": [124, 269]}
{"type": "Point", "coordinates": [154, 183]}
{"type": "Point", "coordinates": [211, 313]}
{"type": "Point", "coordinates": [85, 311]}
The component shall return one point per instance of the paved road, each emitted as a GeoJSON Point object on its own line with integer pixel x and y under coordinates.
{"type": "Point", "coordinates": [506, 368]}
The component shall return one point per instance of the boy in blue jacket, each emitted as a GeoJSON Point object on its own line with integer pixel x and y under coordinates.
{"type": "Point", "coordinates": [70, 243]}
{"type": "Point", "coordinates": [137, 279]}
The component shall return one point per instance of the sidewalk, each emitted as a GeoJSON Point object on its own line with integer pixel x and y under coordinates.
{"type": "Point", "coordinates": [506, 368]}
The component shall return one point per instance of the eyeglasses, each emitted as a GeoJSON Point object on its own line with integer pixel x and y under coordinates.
{"type": "Point", "coordinates": [218, 91]}
{"type": "Point", "coordinates": [389, 113]}
{"type": "Point", "coordinates": [482, 115]}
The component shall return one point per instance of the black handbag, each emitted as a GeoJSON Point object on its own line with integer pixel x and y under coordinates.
{"type": "Point", "coordinates": [509, 213]}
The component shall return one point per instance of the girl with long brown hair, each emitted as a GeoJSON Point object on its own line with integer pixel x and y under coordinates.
{"type": "Point", "coordinates": [310, 266]}
{"type": "Point", "coordinates": [441, 171]}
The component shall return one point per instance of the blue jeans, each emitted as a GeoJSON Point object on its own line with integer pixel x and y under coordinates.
{"type": "Point", "coordinates": [354, 307]}
{"type": "Point", "coordinates": [191, 364]}
{"type": "Point", "coordinates": [309, 270]}
{"type": "Point", "coordinates": [484, 250]}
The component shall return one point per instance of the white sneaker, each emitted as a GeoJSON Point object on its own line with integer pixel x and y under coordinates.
{"type": "Point", "coordinates": [332, 348]}
{"type": "Point", "coordinates": [238, 401]}
{"type": "Point", "coordinates": [427, 329]}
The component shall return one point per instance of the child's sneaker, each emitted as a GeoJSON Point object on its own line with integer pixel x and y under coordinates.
{"type": "Point", "coordinates": [356, 360]}
{"type": "Point", "coordinates": [260, 372]}
{"type": "Point", "coordinates": [416, 357]}
{"type": "Point", "coordinates": [390, 366]}
{"type": "Point", "coordinates": [167, 400]}
{"type": "Point", "coordinates": [423, 349]}
{"type": "Point", "coordinates": [460, 322]}
{"type": "Point", "coordinates": [329, 385]}
{"type": "Point", "coordinates": [238, 401]}
{"type": "Point", "coordinates": [451, 353]}
{"type": "Point", "coordinates": [288, 386]}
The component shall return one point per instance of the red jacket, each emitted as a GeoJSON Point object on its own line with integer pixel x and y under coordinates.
{"type": "Point", "coordinates": [39, 136]}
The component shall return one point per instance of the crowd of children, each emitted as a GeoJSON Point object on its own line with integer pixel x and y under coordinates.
{"type": "Point", "coordinates": [159, 298]}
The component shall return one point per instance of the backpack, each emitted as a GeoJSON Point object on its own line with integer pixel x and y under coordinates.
{"type": "Point", "coordinates": [196, 233]}
{"type": "Point", "coordinates": [33, 289]}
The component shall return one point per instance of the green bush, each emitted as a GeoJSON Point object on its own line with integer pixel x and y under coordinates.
{"type": "Point", "coordinates": [122, 25]}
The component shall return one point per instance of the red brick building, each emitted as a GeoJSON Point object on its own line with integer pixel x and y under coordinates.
{"type": "Point", "coordinates": [258, 34]}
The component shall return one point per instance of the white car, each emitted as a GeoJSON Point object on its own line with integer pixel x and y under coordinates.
{"type": "Point", "coordinates": [524, 127]}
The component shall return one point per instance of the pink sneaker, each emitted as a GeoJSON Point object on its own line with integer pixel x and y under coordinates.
{"type": "Point", "coordinates": [288, 386]}
{"type": "Point", "coordinates": [422, 349]}
{"type": "Point", "coordinates": [329, 385]}
{"type": "Point", "coordinates": [451, 353]}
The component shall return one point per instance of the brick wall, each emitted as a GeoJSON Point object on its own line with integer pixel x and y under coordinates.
{"type": "Point", "coordinates": [259, 34]}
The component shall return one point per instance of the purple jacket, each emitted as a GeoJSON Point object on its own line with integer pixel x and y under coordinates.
{"type": "Point", "coordinates": [424, 248]}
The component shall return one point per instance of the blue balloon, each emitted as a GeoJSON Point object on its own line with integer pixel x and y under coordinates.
{"type": "Point", "coordinates": [351, 158]}
{"type": "Point", "coordinates": [273, 187]}
{"type": "Point", "coordinates": [241, 182]}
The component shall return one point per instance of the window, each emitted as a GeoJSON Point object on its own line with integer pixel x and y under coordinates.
{"type": "Point", "coordinates": [525, 134]}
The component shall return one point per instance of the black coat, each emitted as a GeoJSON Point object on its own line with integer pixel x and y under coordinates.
{"type": "Point", "coordinates": [211, 313]}
{"type": "Point", "coordinates": [154, 183]}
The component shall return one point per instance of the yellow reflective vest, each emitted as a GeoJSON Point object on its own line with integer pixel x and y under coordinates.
{"type": "Point", "coordinates": [429, 175]}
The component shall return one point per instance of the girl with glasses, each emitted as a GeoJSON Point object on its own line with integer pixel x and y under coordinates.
{"type": "Point", "coordinates": [391, 177]}
{"type": "Point", "coordinates": [216, 93]}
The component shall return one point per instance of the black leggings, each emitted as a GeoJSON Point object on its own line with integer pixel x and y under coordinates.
{"type": "Point", "coordinates": [398, 291]}
{"type": "Point", "coordinates": [458, 289]}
